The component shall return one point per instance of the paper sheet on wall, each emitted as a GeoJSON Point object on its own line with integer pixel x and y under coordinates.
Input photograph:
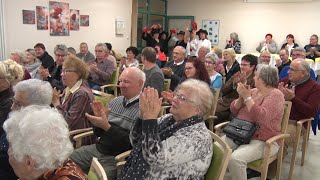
{"type": "Point", "coordinates": [212, 26]}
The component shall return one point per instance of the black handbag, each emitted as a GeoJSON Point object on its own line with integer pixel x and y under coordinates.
{"type": "Point", "coordinates": [240, 131]}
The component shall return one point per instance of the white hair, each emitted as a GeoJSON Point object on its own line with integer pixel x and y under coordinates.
{"type": "Point", "coordinates": [22, 55]}
{"type": "Point", "coordinates": [138, 73]}
{"type": "Point", "coordinates": [214, 58]}
{"type": "Point", "coordinates": [39, 92]}
{"type": "Point", "coordinates": [40, 133]}
{"type": "Point", "coordinates": [201, 94]}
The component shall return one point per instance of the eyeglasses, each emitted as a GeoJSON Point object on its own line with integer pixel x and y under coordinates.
{"type": "Point", "coordinates": [61, 55]}
{"type": "Point", "coordinates": [297, 55]}
{"type": "Point", "coordinates": [181, 98]}
{"type": "Point", "coordinates": [98, 51]}
{"type": "Point", "coordinates": [208, 62]}
{"type": "Point", "coordinates": [67, 70]}
{"type": "Point", "coordinates": [266, 56]}
{"type": "Point", "coordinates": [295, 70]}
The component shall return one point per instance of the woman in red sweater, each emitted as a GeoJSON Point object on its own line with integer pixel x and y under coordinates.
{"type": "Point", "coordinates": [263, 106]}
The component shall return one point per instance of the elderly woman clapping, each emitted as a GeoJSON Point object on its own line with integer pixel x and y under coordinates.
{"type": "Point", "coordinates": [177, 145]}
{"type": "Point", "coordinates": [76, 98]}
{"type": "Point", "coordinates": [215, 77]}
{"type": "Point", "coordinates": [40, 145]}
{"type": "Point", "coordinates": [263, 106]}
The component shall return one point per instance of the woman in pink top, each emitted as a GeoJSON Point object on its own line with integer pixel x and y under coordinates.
{"type": "Point", "coordinates": [262, 105]}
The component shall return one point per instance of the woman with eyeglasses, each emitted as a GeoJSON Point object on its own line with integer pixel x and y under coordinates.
{"type": "Point", "coordinates": [215, 77]}
{"type": "Point", "coordinates": [177, 145]}
{"type": "Point", "coordinates": [77, 96]}
{"type": "Point", "coordinates": [195, 69]}
{"type": "Point", "coordinates": [229, 92]}
{"type": "Point", "coordinates": [10, 74]}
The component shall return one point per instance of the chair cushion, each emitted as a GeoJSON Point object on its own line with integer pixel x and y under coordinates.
{"type": "Point", "coordinates": [92, 175]}
{"type": "Point", "coordinates": [101, 99]}
{"type": "Point", "coordinates": [215, 164]}
{"type": "Point", "coordinates": [256, 163]}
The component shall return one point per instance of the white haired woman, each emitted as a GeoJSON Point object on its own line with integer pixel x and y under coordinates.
{"type": "Point", "coordinates": [32, 63]}
{"type": "Point", "coordinates": [39, 148]}
{"type": "Point", "coordinates": [263, 106]}
{"type": "Point", "coordinates": [177, 145]}
{"type": "Point", "coordinates": [10, 74]}
{"type": "Point", "coordinates": [215, 77]}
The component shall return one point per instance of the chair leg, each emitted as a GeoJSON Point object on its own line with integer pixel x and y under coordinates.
{"type": "Point", "coordinates": [294, 154]}
{"type": "Point", "coordinates": [305, 143]}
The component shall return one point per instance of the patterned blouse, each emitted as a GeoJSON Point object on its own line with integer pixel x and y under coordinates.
{"type": "Point", "coordinates": [165, 149]}
{"type": "Point", "coordinates": [69, 171]}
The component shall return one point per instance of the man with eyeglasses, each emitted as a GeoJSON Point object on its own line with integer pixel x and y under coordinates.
{"type": "Point", "coordinates": [101, 69]}
{"type": "Point", "coordinates": [302, 91]}
{"type": "Point", "coordinates": [174, 69]}
{"type": "Point", "coordinates": [60, 52]}
{"type": "Point", "coordinates": [313, 49]}
{"type": "Point", "coordinates": [46, 60]}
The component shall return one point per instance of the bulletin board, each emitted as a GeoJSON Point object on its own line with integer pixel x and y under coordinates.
{"type": "Point", "coordinates": [212, 26]}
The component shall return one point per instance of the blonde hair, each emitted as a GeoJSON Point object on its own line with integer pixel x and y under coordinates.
{"type": "Point", "coordinates": [11, 71]}
{"type": "Point", "coordinates": [229, 51]}
{"type": "Point", "coordinates": [78, 65]}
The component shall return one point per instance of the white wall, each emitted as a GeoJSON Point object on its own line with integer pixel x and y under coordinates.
{"type": "Point", "coordinates": [102, 15]}
{"type": "Point", "coordinates": [253, 20]}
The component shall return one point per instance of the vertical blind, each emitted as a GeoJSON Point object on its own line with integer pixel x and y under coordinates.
{"type": "Point", "coordinates": [2, 32]}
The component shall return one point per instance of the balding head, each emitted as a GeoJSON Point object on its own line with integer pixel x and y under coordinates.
{"type": "Point", "coordinates": [179, 54]}
{"type": "Point", "coordinates": [131, 82]}
{"type": "Point", "coordinates": [299, 69]}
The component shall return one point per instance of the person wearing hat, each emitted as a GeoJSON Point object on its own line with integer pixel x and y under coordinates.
{"type": "Point", "coordinates": [151, 36]}
{"type": "Point", "coordinates": [268, 44]}
{"type": "Point", "coordinates": [181, 40]}
{"type": "Point", "coordinates": [203, 41]}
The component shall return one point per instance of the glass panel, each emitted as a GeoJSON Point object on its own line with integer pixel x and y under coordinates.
{"type": "Point", "coordinates": [155, 19]}
{"type": "Point", "coordinates": [142, 21]}
{"type": "Point", "coordinates": [142, 5]}
{"type": "Point", "coordinates": [158, 6]}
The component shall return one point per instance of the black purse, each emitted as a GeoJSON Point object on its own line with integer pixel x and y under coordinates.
{"type": "Point", "coordinates": [240, 131]}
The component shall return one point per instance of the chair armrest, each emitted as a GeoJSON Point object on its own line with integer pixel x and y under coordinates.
{"type": "Point", "coordinates": [108, 85]}
{"type": "Point", "coordinates": [218, 127]}
{"type": "Point", "coordinates": [121, 157]}
{"type": "Point", "coordinates": [120, 164]}
{"type": "Point", "coordinates": [300, 122]}
{"type": "Point", "coordinates": [78, 131]}
{"type": "Point", "coordinates": [78, 138]}
{"type": "Point", "coordinates": [277, 137]}
{"type": "Point", "coordinates": [210, 120]}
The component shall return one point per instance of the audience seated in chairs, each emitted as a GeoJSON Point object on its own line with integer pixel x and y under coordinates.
{"type": "Point", "coordinates": [290, 44]}
{"type": "Point", "coordinates": [75, 100]}
{"type": "Point", "coordinates": [263, 106]}
{"type": "Point", "coordinates": [32, 63]}
{"type": "Point", "coordinates": [177, 145]}
{"type": "Point", "coordinates": [10, 74]}
{"type": "Point", "coordinates": [39, 145]}
{"type": "Point", "coordinates": [113, 127]}
{"type": "Point", "coordinates": [131, 60]}
{"type": "Point", "coordinates": [47, 61]}
{"type": "Point", "coordinates": [84, 53]}
{"type": "Point", "coordinates": [230, 65]}
{"type": "Point", "coordinates": [268, 45]}
{"type": "Point", "coordinates": [110, 55]}
{"type": "Point", "coordinates": [215, 77]}
{"type": "Point", "coordinates": [195, 69]}
{"type": "Point", "coordinates": [228, 90]}
{"type": "Point", "coordinates": [61, 52]}
{"type": "Point", "coordinates": [20, 57]}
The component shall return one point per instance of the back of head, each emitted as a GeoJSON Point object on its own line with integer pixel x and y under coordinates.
{"type": "Point", "coordinates": [38, 92]}
{"type": "Point", "coordinates": [149, 54]}
{"type": "Point", "coordinates": [201, 94]}
{"type": "Point", "coordinates": [11, 71]}
{"type": "Point", "coordinates": [40, 133]}
{"type": "Point", "coordinates": [109, 46]}
{"type": "Point", "coordinates": [80, 67]}
{"type": "Point", "coordinates": [268, 74]}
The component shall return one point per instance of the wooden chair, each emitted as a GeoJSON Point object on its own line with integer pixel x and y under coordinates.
{"type": "Point", "coordinates": [261, 165]}
{"type": "Point", "coordinates": [113, 86]}
{"type": "Point", "coordinates": [121, 160]}
{"type": "Point", "coordinates": [79, 137]}
{"type": "Point", "coordinates": [212, 116]}
{"type": "Point", "coordinates": [102, 97]}
{"type": "Point", "coordinates": [220, 159]}
{"type": "Point", "coordinates": [96, 171]}
{"type": "Point", "coordinates": [305, 138]}
{"type": "Point", "coordinates": [79, 131]}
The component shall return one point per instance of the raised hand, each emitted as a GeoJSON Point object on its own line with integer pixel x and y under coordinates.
{"type": "Point", "coordinates": [150, 104]}
{"type": "Point", "coordinates": [100, 118]}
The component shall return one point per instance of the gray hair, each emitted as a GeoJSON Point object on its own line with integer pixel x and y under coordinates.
{"type": "Point", "coordinates": [207, 50]}
{"type": "Point", "coordinates": [268, 74]}
{"type": "Point", "coordinates": [40, 133]}
{"type": "Point", "coordinates": [235, 35]}
{"type": "Point", "coordinates": [138, 73]}
{"type": "Point", "coordinates": [218, 52]}
{"type": "Point", "coordinates": [201, 95]}
{"type": "Point", "coordinates": [39, 92]}
{"type": "Point", "coordinates": [213, 57]}
{"type": "Point", "coordinates": [103, 45]}
{"type": "Point", "coordinates": [304, 64]}
{"type": "Point", "coordinates": [22, 55]}
{"type": "Point", "coordinates": [11, 71]}
{"type": "Point", "coordinates": [72, 50]}
{"type": "Point", "coordinates": [299, 49]}
{"type": "Point", "coordinates": [61, 47]}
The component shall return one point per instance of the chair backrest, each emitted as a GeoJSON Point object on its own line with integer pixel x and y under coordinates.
{"type": "Point", "coordinates": [166, 84]}
{"type": "Point", "coordinates": [141, 66]}
{"type": "Point", "coordinates": [102, 97]}
{"type": "Point", "coordinates": [285, 117]}
{"type": "Point", "coordinates": [220, 159]}
{"type": "Point", "coordinates": [96, 171]}
{"type": "Point", "coordinates": [115, 76]}
{"type": "Point", "coordinates": [216, 92]}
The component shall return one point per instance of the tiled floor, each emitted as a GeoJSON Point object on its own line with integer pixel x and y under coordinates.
{"type": "Point", "coordinates": [311, 168]}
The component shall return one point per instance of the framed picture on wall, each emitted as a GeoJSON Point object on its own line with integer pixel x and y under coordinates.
{"type": "Point", "coordinates": [59, 18]}
{"type": "Point", "coordinates": [28, 17]}
{"type": "Point", "coordinates": [74, 19]}
{"type": "Point", "coordinates": [212, 26]}
{"type": "Point", "coordinates": [42, 17]}
{"type": "Point", "coordinates": [84, 20]}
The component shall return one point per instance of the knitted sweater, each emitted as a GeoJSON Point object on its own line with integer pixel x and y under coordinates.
{"type": "Point", "coordinates": [266, 112]}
